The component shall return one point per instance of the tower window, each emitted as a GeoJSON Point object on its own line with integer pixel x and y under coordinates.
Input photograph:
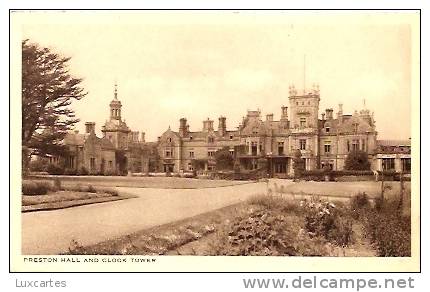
{"type": "Point", "coordinates": [302, 122]}
{"type": "Point", "coordinates": [327, 148]}
{"type": "Point", "coordinates": [280, 148]}
{"type": "Point", "coordinates": [327, 129]}
{"type": "Point", "coordinates": [302, 144]}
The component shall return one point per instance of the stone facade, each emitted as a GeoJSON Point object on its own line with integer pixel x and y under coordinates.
{"type": "Point", "coordinates": [118, 151]}
{"type": "Point", "coordinates": [324, 141]}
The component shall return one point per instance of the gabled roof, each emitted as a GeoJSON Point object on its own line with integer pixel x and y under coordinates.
{"type": "Point", "coordinates": [74, 139]}
{"type": "Point", "coordinates": [106, 144]}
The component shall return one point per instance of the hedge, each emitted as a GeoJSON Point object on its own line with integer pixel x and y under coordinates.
{"type": "Point", "coordinates": [35, 188]}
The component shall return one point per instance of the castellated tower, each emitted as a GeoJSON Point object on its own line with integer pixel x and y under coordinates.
{"type": "Point", "coordinates": [304, 108]}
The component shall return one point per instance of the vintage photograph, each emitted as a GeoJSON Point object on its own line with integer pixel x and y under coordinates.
{"type": "Point", "coordinates": [217, 133]}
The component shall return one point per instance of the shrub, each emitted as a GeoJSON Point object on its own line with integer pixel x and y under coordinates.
{"type": "Point", "coordinates": [274, 203]}
{"type": "Point", "coordinates": [360, 201]}
{"type": "Point", "coordinates": [298, 164]}
{"type": "Point", "coordinates": [82, 171]}
{"type": "Point", "coordinates": [55, 169]}
{"type": "Point", "coordinates": [70, 171]}
{"type": "Point", "coordinates": [110, 191]}
{"type": "Point", "coordinates": [35, 188]}
{"type": "Point", "coordinates": [391, 233]}
{"type": "Point", "coordinates": [351, 172]}
{"type": "Point", "coordinates": [357, 160]}
{"type": "Point", "coordinates": [91, 189]}
{"type": "Point", "coordinates": [76, 188]}
{"type": "Point", "coordinates": [57, 184]}
{"type": "Point", "coordinates": [109, 173]}
{"type": "Point", "coordinates": [358, 204]}
{"type": "Point", "coordinates": [388, 230]}
{"type": "Point", "coordinates": [342, 233]}
{"type": "Point", "coordinates": [224, 160]}
{"type": "Point", "coordinates": [323, 218]}
{"type": "Point", "coordinates": [262, 233]}
{"type": "Point", "coordinates": [76, 248]}
{"type": "Point", "coordinates": [37, 165]}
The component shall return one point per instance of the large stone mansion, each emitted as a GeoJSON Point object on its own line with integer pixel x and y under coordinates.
{"type": "Point", "coordinates": [323, 140]}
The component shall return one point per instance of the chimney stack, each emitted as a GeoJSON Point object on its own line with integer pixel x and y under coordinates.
{"type": "Point", "coordinates": [329, 113]}
{"type": "Point", "coordinates": [340, 112]}
{"type": "Point", "coordinates": [284, 113]}
{"type": "Point", "coordinates": [90, 127]}
{"type": "Point", "coordinates": [269, 117]}
{"type": "Point", "coordinates": [183, 127]}
{"type": "Point", "coordinates": [142, 137]}
{"type": "Point", "coordinates": [222, 126]}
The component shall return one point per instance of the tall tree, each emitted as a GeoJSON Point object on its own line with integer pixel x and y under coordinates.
{"type": "Point", "coordinates": [357, 160]}
{"type": "Point", "coordinates": [298, 164]}
{"type": "Point", "coordinates": [224, 159]}
{"type": "Point", "coordinates": [47, 93]}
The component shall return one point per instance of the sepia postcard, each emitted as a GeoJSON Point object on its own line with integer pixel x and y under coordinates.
{"type": "Point", "coordinates": [215, 141]}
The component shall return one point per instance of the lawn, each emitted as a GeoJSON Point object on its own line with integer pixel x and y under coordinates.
{"type": "Point", "coordinates": [336, 189]}
{"type": "Point", "coordinates": [43, 196]}
{"type": "Point", "coordinates": [142, 182]}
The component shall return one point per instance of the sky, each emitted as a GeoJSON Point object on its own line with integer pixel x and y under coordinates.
{"type": "Point", "coordinates": [200, 65]}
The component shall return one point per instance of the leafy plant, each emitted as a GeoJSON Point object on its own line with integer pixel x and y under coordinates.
{"type": "Point", "coordinates": [388, 229]}
{"type": "Point", "coordinates": [323, 218]}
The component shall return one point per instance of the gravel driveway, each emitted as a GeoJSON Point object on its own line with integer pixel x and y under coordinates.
{"type": "Point", "coordinates": [51, 232]}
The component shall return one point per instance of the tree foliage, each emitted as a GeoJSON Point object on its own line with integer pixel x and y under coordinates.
{"type": "Point", "coordinates": [224, 159]}
{"type": "Point", "coordinates": [357, 160]}
{"type": "Point", "coordinates": [47, 93]}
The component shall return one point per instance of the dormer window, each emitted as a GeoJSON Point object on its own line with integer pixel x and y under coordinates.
{"type": "Point", "coordinates": [169, 139]}
{"type": "Point", "coordinates": [327, 129]}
